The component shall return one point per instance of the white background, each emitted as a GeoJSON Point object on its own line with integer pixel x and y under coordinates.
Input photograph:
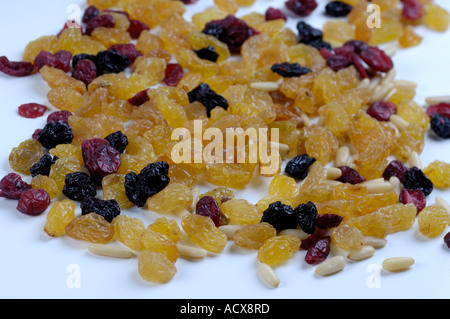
{"type": "Point", "coordinates": [32, 265]}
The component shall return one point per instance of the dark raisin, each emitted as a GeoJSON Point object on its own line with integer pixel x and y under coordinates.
{"type": "Point", "coordinates": [79, 185]}
{"type": "Point", "coordinates": [274, 14]}
{"type": "Point", "coordinates": [100, 158]}
{"type": "Point", "coordinates": [214, 29]}
{"type": "Point", "coordinates": [207, 206]}
{"type": "Point", "coordinates": [308, 33]}
{"type": "Point", "coordinates": [301, 8]}
{"type": "Point", "coordinates": [173, 74]}
{"type": "Point", "coordinates": [440, 125]}
{"type": "Point", "coordinates": [189, 1]}
{"type": "Point", "coordinates": [328, 220]}
{"type": "Point", "coordinates": [59, 116]}
{"type": "Point", "coordinates": [90, 13]}
{"type": "Point", "coordinates": [320, 44]}
{"type": "Point", "coordinates": [82, 56]}
{"type": "Point", "coordinates": [33, 202]}
{"type": "Point", "coordinates": [12, 186]}
{"type": "Point", "coordinates": [151, 180]}
{"type": "Point", "coordinates": [139, 98]}
{"type": "Point", "coordinates": [210, 99]}
{"type": "Point", "coordinates": [412, 9]}
{"type": "Point", "coordinates": [207, 53]}
{"type": "Point", "coordinates": [85, 71]}
{"type": "Point", "coordinates": [319, 251]}
{"type": "Point", "coordinates": [280, 216]}
{"type": "Point", "coordinates": [13, 68]}
{"type": "Point", "coordinates": [440, 108]}
{"type": "Point", "coordinates": [377, 59]}
{"type": "Point", "coordinates": [414, 178]}
{"type": "Point", "coordinates": [337, 9]}
{"type": "Point", "coordinates": [136, 27]}
{"type": "Point", "coordinates": [128, 50]}
{"type": "Point", "coordinates": [298, 167]}
{"type": "Point", "coordinates": [382, 110]}
{"type": "Point", "coordinates": [118, 140]}
{"type": "Point", "coordinates": [103, 20]}
{"type": "Point", "coordinates": [338, 62]}
{"type": "Point", "coordinates": [307, 217]}
{"type": "Point", "coordinates": [350, 175]}
{"type": "Point", "coordinates": [42, 167]}
{"type": "Point", "coordinates": [32, 110]}
{"type": "Point", "coordinates": [110, 61]}
{"type": "Point", "coordinates": [59, 60]}
{"type": "Point", "coordinates": [395, 168]}
{"type": "Point", "coordinates": [289, 70]}
{"type": "Point", "coordinates": [106, 208]}
{"type": "Point", "coordinates": [55, 133]}
{"type": "Point", "coordinates": [447, 239]}
{"type": "Point", "coordinates": [414, 196]}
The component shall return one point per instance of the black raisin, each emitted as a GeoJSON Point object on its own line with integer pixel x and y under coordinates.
{"type": "Point", "coordinates": [214, 29]}
{"type": "Point", "coordinates": [205, 95]}
{"type": "Point", "coordinates": [440, 125]}
{"type": "Point", "coordinates": [207, 53]}
{"type": "Point", "coordinates": [289, 70]}
{"type": "Point", "coordinates": [151, 180]}
{"type": "Point", "coordinates": [415, 178]}
{"type": "Point", "coordinates": [106, 208]}
{"type": "Point", "coordinates": [111, 61]}
{"type": "Point", "coordinates": [280, 216]}
{"type": "Point", "coordinates": [118, 140]}
{"type": "Point", "coordinates": [320, 44]}
{"type": "Point", "coordinates": [307, 217]}
{"type": "Point", "coordinates": [337, 9]}
{"type": "Point", "coordinates": [55, 133]}
{"type": "Point", "coordinates": [308, 33]}
{"type": "Point", "coordinates": [43, 166]}
{"type": "Point", "coordinates": [79, 185]}
{"type": "Point", "coordinates": [298, 167]}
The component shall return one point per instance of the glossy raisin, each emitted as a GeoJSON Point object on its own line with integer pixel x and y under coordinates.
{"type": "Point", "coordinates": [79, 185]}
{"type": "Point", "coordinates": [13, 68]}
{"type": "Point", "coordinates": [318, 251]}
{"type": "Point", "coordinates": [289, 70]}
{"type": "Point", "coordinates": [118, 140]}
{"type": "Point", "coordinates": [395, 168]}
{"type": "Point", "coordinates": [32, 110]}
{"type": "Point", "coordinates": [100, 158]}
{"type": "Point", "coordinates": [173, 74]}
{"type": "Point", "coordinates": [298, 167]}
{"type": "Point", "coordinates": [33, 202]}
{"type": "Point", "coordinates": [274, 14]}
{"type": "Point", "coordinates": [12, 186]}
{"type": "Point", "coordinates": [382, 110]}
{"type": "Point", "coordinates": [205, 95]}
{"type": "Point", "coordinates": [415, 179]}
{"type": "Point", "coordinates": [43, 166]}
{"type": "Point", "coordinates": [207, 53]}
{"type": "Point", "coordinates": [350, 175]}
{"type": "Point", "coordinates": [337, 9]}
{"type": "Point", "coordinates": [307, 217]}
{"type": "Point", "coordinates": [55, 133]}
{"type": "Point", "coordinates": [108, 209]}
{"type": "Point", "coordinates": [207, 206]}
{"type": "Point", "coordinates": [85, 71]}
{"type": "Point", "coordinates": [301, 8]}
{"type": "Point", "coordinates": [280, 216]}
{"type": "Point", "coordinates": [414, 196]}
{"type": "Point", "coordinates": [440, 125]}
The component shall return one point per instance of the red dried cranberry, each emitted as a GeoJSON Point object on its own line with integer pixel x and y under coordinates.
{"type": "Point", "coordinates": [60, 60]}
{"type": "Point", "coordinates": [85, 71]}
{"type": "Point", "coordinates": [414, 196]}
{"type": "Point", "coordinates": [59, 116]}
{"type": "Point", "coordinates": [117, 11]}
{"type": "Point", "coordinates": [189, 1]}
{"type": "Point", "coordinates": [128, 50]}
{"type": "Point", "coordinates": [440, 108]}
{"type": "Point", "coordinates": [173, 74]}
{"type": "Point", "coordinates": [301, 8]}
{"type": "Point", "coordinates": [447, 239]}
{"type": "Point", "coordinates": [32, 110]}
{"type": "Point", "coordinates": [12, 186]}
{"type": "Point", "coordinates": [104, 20]}
{"type": "Point", "coordinates": [325, 53]}
{"type": "Point", "coordinates": [319, 251]}
{"type": "Point", "coordinates": [359, 66]}
{"type": "Point", "coordinates": [100, 158]}
{"type": "Point", "coordinates": [139, 98]}
{"type": "Point", "coordinates": [350, 175]}
{"type": "Point", "coordinates": [412, 9]}
{"type": "Point", "coordinates": [395, 168]}
{"type": "Point", "coordinates": [345, 50]}
{"type": "Point", "coordinates": [377, 59]}
{"type": "Point", "coordinates": [274, 14]}
{"type": "Point", "coordinates": [18, 69]}
{"type": "Point", "coordinates": [328, 220]}
{"type": "Point", "coordinates": [356, 45]}
{"type": "Point", "coordinates": [33, 202]}
{"type": "Point", "coordinates": [90, 13]}
{"type": "Point", "coordinates": [382, 110]}
{"type": "Point", "coordinates": [136, 27]}
{"type": "Point", "coordinates": [207, 206]}
{"type": "Point", "coordinates": [35, 134]}
{"type": "Point", "coordinates": [311, 240]}
{"type": "Point", "coordinates": [338, 62]}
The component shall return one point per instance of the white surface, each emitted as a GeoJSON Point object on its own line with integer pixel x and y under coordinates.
{"type": "Point", "coordinates": [36, 266]}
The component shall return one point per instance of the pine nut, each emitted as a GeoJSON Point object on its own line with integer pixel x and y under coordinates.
{"type": "Point", "coordinates": [364, 83]}
{"type": "Point", "coordinates": [405, 84]}
{"type": "Point", "coordinates": [390, 94]}
{"type": "Point", "coordinates": [431, 100]}
{"type": "Point", "coordinates": [378, 187]}
{"type": "Point", "coordinates": [265, 86]}
{"type": "Point", "coordinates": [110, 251]}
{"type": "Point", "coordinates": [397, 263]}
{"type": "Point", "coordinates": [268, 275]}
{"type": "Point", "coordinates": [306, 120]}
{"type": "Point", "coordinates": [396, 184]}
{"type": "Point", "coordinates": [392, 49]}
{"type": "Point", "coordinates": [399, 122]}
{"type": "Point", "coordinates": [363, 253]}
{"type": "Point", "coordinates": [331, 266]}
{"type": "Point", "coordinates": [191, 252]}
{"type": "Point", "coordinates": [442, 203]}
{"type": "Point", "coordinates": [229, 230]}
{"type": "Point", "coordinates": [375, 242]}
{"type": "Point", "coordinates": [414, 160]}
{"type": "Point", "coordinates": [381, 92]}
{"type": "Point", "coordinates": [389, 77]}
{"type": "Point", "coordinates": [195, 196]}
{"type": "Point", "coordinates": [342, 156]}
{"type": "Point", "coordinates": [333, 173]}
{"type": "Point", "coordinates": [294, 232]}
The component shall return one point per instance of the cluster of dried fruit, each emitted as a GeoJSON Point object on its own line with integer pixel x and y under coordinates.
{"type": "Point", "coordinates": [331, 93]}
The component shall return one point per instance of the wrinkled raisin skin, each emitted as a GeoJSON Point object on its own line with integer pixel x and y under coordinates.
{"type": "Point", "coordinates": [85, 71]}
{"type": "Point", "coordinates": [337, 9]}
{"type": "Point", "coordinates": [43, 166]}
{"type": "Point", "coordinates": [440, 125]}
{"type": "Point", "coordinates": [382, 110]}
{"type": "Point", "coordinates": [328, 220]}
{"type": "Point", "coordinates": [104, 20]}
{"type": "Point", "coordinates": [118, 140]}
{"type": "Point", "coordinates": [395, 168]}
{"type": "Point", "coordinates": [307, 217]}
{"type": "Point", "coordinates": [108, 209]}
{"type": "Point", "coordinates": [33, 202]}
{"type": "Point", "coordinates": [207, 206]}
{"type": "Point", "coordinates": [205, 95]}
{"type": "Point", "coordinates": [298, 167]}
{"type": "Point", "coordinates": [79, 185]}
{"type": "Point", "coordinates": [55, 133]}
{"type": "Point", "coordinates": [100, 158]}
{"type": "Point", "coordinates": [280, 216]}
{"type": "Point", "coordinates": [301, 8]}
{"type": "Point", "coordinates": [289, 70]}
{"type": "Point", "coordinates": [207, 53]}
{"type": "Point", "coordinates": [414, 178]}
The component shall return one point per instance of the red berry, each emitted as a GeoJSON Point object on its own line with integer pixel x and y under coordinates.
{"type": "Point", "coordinates": [32, 110]}
{"type": "Point", "coordinates": [447, 239]}
{"type": "Point", "coordinates": [350, 175]}
{"type": "Point", "coordinates": [136, 27]}
{"type": "Point", "coordinates": [85, 71]}
{"type": "Point", "coordinates": [440, 108]}
{"type": "Point", "coordinates": [328, 220]}
{"type": "Point", "coordinates": [59, 116]}
{"type": "Point", "coordinates": [301, 8]}
{"type": "Point", "coordinates": [338, 62]}
{"type": "Point", "coordinates": [15, 68]}
{"type": "Point", "coordinates": [382, 110]}
{"type": "Point", "coordinates": [33, 202]}
{"type": "Point", "coordinates": [274, 14]}
{"type": "Point", "coordinates": [12, 186]}
{"type": "Point", "coordinates": [414, 196]}
{"type": "Point", "coordinates": [104, 20]}
{"type": "Point", "coordinates": [139, 98]}
{"type": "Point", "coordinates": [412, 9]}
{"type": "Point", "coordinates": [100, 158]}
{"type": "Point", "coordinates": [207, 206]}
{"type": "Point", "coordinates": [173, 74]}
{"type": "Point", "coordinates": [377, 59]}
{"type": "Point", "coordinates": [395, 168]}
{"type": "Point", "coordinates": [128, 50]}
{"type": "Point", "coordinates": [319, 251]}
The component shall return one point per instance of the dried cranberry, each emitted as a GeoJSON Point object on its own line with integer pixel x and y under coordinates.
{"type": "Point", "coordinates": [415, 178]}
{"type": "Point", "coordinates": [33, 202]}
{"type": "Point", "coordinates": [440, 125]}
{"type": "Point", "coordinates": [173, 74]}
{"type": "Point", "coordinates": [298, 167]}
{"type": "Point", "coordinates": [128, 50]}
{"type": "Point", "coordinates": [337, 9]}
{"type": "Point", "coordinates": [109, 209]}
{"type": "Point", "coordinates": [414, 196]}
{"type": "Point", "coordinates": [325, 53]}
{"type": "Point", "coordinates": [207, 206]}
{"type": "Point", "coordinates": [301, 8]}
{"type": "Point", "coordinates": [289, 70]}
{"type": "Point", "coordinates": [82, 56]}
{"type": "Point", "coordinates": [338, 62]}
{"type": "Point", "coordinates": [136, 27]}
{"type": "Point", "coordinates": [59, 116]}
{"type": "Point", "coordinates": [356, 45]}
{"type": "Point", "coordinates": [12, 186]}
{"type": "Point", "coordinates": [139, 98]}
{"type": "Point", "coordinates": [100, 158]}
{"type": "Point", "coordinates": [118, 140]}
{"type": "Point", "coordinates": [447, 239]}
{"type": "Point", "coordinates": [382, 110]}
{"type": "Point", "coordinates": [207, 53]}
{"type": "Point", "coordinates": [34, 136]}
{"type": "Point", "coordinates": [280, 216]}
{"type": "Point", "coordinates": [395, 168]}
{"type": "Point", "coordinates": [412, 9]}
{"type": "Point", "coordinates": [205, 95]}
{"type": "Point", "coordinates": [18, 69]}
{"type": "Point", "coordinates": [274, 14]}
{"type": "Point", "coordinates": [103, 20]}
{"type": "Point", "coordinates": [42, 167]}
{"type": "Point", "coordinates": [189, 1]}
{"type": "Point", "coordinates": [85, 71]}
{"type": "Point", "coordinates": [328, 220]}
{"type": "Point", "coordinates": [307, 217]}
{"type": "Point", "coordinates": [90, 13]}
{"type": "Point", "coordinates": [350, 175]}
{"type": "Point", "coordinates": [309, 241]}
{"type": "Point", "coordinates": [440, 108]}
{"type": "Point", "coordinates": [117, 11]}
{"type": "Point", "coordinates": [359, 66]}
{"type": "Point", "coordinates": [377, 59]}
{"type": "Point", "coordinates": [60, 60]}
{"type": "Point", "coordinates": [32, 110]}
{"type": "Point", "coordinates": [319, 251]}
